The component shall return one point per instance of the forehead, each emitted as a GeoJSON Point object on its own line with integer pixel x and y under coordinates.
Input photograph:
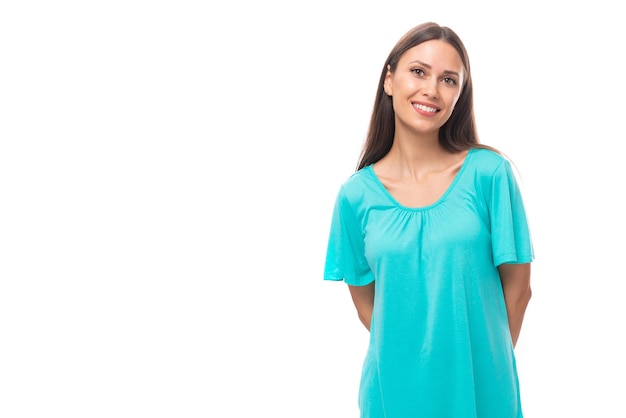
{"type": "Point", "coordinates": [436, 53]}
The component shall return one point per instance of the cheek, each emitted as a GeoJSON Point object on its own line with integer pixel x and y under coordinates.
{"type": "Point", "coordinates": [405, 85]}
{"type": "Point", "coordinates": [454, 100]}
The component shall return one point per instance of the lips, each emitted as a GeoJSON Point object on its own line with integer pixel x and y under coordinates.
{"type": "Point", "coordinates": [425, 108]}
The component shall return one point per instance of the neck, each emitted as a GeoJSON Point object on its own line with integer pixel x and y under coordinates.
{"type": "Point", "coordinates": [417, 153]}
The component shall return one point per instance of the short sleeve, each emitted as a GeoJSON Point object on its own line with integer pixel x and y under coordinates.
{"type": "Point", "coordinates": [345, 257]}
{"type": "Point", "coordinates": [510, 232]}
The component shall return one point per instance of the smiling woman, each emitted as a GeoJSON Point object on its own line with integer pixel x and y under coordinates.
{"type": "Point", "coordinates": [431, 236]}
{"type": "Point", "coordinates": [434, 68]}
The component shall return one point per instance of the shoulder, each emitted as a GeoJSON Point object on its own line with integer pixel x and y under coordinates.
{"type": "Point", "coordinates": [487, 162]}
{"type": "Point", "coordinates": [487, 157]}
{"type": "Point", "coordinates": [494, 172]}
{"type": "Point", "coordinates": [358, 181]}
{"type": "Point", "coordinates": [360, 190]}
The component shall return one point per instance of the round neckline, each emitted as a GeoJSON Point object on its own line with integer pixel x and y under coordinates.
{"type": "Point", "coordinates": [370, 169]}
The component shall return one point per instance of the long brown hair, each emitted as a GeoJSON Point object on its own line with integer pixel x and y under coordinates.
{"type": "Point", "coordinates": [457, 134]}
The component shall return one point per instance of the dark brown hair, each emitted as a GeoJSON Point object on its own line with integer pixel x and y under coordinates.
{"type": "Point", "coordinates": [457, 134]}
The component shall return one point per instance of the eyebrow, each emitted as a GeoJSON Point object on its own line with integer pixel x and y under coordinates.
{"type": "Point", "coordinates": [430, 68]}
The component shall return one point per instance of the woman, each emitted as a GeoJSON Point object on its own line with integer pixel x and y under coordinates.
{"type": "Point", "coordinates": [431, 236]}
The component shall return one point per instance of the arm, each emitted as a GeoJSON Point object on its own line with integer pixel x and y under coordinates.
{"type": "Point", "coordinates": [515, 280]}
{"type": "Point", "coordinates": [363, 298]}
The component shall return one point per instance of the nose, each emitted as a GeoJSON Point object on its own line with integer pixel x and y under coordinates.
{"type": "Point", "coordinates": [431, 88]}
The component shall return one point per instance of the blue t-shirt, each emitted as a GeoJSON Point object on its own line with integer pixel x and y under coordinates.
{"type": "Point", "coordinates": [440, 344]}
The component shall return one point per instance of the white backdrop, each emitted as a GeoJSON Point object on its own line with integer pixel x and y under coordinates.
{"type": "Point", "coordinates": [167, 175]}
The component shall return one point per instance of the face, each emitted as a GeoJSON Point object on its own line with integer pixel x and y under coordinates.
{"type": "Point", "coordinates": [425, 86]}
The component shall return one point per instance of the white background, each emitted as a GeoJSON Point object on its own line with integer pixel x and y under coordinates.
{"type": "Point", "coordinates": [167, 174]}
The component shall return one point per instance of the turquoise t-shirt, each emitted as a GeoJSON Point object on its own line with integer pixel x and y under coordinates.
{"type": "Point", "coordinates": [440, 344]}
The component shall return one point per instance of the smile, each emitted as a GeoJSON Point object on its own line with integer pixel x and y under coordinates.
{"type": "Point", "coordinates": [425, 108]}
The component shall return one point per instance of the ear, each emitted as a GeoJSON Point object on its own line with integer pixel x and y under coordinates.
{"type": "Point", "coordinates": [387, 83]}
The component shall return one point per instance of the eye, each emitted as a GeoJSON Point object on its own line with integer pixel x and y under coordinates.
{"type": "Point", "coordinates": [418, 72]}
{"type": "Point", "coordinates": [450, 81]}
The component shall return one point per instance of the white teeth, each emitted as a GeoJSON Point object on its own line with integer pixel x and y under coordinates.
{"type": "Point", "coordinates": [425, 108]}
